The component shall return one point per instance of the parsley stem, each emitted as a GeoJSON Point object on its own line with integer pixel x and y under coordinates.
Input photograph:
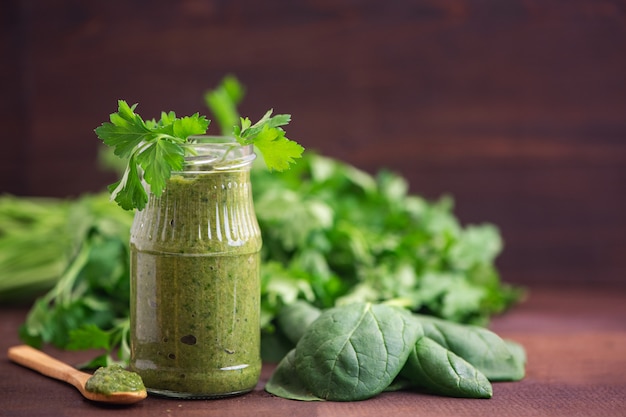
{"type": "Point", "coordinates": [63, 290]}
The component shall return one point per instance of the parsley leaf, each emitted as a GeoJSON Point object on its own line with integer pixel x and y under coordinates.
{"type": "Point", "coordinates": [269, 138]}
{"type": "Point", "coordinates": [158, 161]}
{"type": "Point", "coordinates": [89, 336]}
{"type": "Point", "coordinates": [278, 151]}
{"type": "Point", "coordinates": [134, 194]}
{"type": "Point", "coordinates": [153, 149]}
{"type": "Point", "coordinates": [125, 132]}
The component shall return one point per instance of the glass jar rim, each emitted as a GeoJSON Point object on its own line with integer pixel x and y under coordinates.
{"type": "Point", "coordinates": [216, 153]}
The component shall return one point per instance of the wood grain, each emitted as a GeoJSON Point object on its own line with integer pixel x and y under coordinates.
{"type": "Point", "coordinates": [517, 108]}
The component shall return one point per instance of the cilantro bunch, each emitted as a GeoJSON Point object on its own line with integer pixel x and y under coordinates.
{"type": "Point", "coordinates": [153, 149]}
{"type": "Point", "coordinates": [350, 236]}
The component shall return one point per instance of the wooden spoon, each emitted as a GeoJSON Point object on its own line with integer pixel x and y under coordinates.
{"type": "Point", "coordinates": [48, 366]}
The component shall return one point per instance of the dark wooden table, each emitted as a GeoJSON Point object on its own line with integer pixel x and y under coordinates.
{"type": "Point", "coordinates": [575, 339]}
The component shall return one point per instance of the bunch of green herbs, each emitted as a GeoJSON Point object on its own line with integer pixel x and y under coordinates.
{"type": "Point", "coordinates": [349, 236]}
{"type": "Point", "coordinates": [333, 235]}
{"type": "Point", "coordinates": [29, 263]}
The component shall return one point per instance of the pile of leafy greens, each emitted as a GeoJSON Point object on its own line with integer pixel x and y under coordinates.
{"type": "Point", "coordinates": [348, 236]}
{"type": "Point", "coordinates": [89, 303]}
{"type": "Point", "coordinates": [332, 235]}
{"type": "Point", "coordinates": [29, 263]}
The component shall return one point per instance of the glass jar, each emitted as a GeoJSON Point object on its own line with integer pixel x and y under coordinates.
{"type": "Point", "coordinates": [195, 255]}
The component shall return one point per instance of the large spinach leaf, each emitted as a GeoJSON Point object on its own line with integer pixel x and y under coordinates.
{"type": "Point", "coordinates": [354, 352]}
{"type": "Point", "coordinates": [285, 382]}
{"type": "Point", "coordinates": [295, 318]}
{"type": "Point", "coordinates": [497, 359]}
{"type": "Point", "coordinates": [440, 371]}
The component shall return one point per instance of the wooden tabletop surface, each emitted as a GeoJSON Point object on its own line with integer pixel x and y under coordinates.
{"type": "Point", "coordinates": [575, 340]}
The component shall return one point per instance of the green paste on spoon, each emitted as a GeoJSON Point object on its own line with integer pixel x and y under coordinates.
{"type": "Point", "coordinates": [114, 378]}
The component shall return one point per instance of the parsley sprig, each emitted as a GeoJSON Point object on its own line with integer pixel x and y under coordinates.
{"type": "Point", "coordinates": [154, 148]}
{"type": "Point", "coordinates": [269, 138]}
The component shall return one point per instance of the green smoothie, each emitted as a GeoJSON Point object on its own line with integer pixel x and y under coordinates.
{"type": "Point", "coordinates": [195, 287]}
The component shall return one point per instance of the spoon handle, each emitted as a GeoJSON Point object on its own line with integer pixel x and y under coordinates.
{"type": "Point", "coordinates": [47, 365]}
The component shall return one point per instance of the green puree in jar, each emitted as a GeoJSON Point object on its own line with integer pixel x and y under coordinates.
{"type": "Point", "coordinates": [195, 301]}
{"type": "Point", "coordinates": [114, 378]}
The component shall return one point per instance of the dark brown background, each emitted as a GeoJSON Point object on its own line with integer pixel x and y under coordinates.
{"type": "Point", "coordinates": [516, 108]}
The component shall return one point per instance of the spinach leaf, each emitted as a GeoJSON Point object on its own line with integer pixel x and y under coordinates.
{"type": "Point", "coordinates": [295, 318]}
{"type": "Point", "coordinates": [496, 359]}
{"type": "Point", "coordinates": [291, 323]}
{"type": "Point", "coordinates": [274, 345]}
{"type": "Point", "coordinates": [354, 352]}
{"type": "Point", "coordinates": [400, 384]}
{"type": "Point", "coordinates": [519, 356]}
{"type": "Point", "coordinates": [440, 371]}
{"type": "Point", "coordinates": [285, 383]}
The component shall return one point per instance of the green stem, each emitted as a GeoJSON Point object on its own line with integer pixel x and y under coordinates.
{"type": "Point", "coordinates": [62, 292]}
